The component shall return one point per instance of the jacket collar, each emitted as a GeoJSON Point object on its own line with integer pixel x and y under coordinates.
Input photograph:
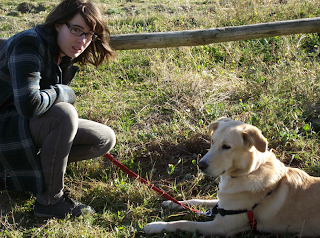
{"type": "Point", "coordinates": [49, 37]}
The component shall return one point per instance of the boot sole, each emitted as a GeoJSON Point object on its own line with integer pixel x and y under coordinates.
{"type": "Point", "coordinates": [47, 216]}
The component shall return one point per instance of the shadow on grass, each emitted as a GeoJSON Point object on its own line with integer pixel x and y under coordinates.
{"type": "Point", "coordinates": [17, 211]}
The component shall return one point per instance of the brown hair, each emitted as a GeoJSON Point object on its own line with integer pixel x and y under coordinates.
{"type": "Point", "coordinates": [98, 50]}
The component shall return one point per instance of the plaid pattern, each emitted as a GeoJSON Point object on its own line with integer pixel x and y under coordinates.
{"type": "Point", "coordinates": [30, 83]}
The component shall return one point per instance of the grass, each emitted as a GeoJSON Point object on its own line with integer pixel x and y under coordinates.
{"type": "Point", "coordinates": [161, 101]}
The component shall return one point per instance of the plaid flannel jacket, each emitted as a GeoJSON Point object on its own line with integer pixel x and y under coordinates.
{"type": "Point", "coordinates": [30, 83]}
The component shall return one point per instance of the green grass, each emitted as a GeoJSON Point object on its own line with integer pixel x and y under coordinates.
{"type": "Point", "coordinates": [161, 101]}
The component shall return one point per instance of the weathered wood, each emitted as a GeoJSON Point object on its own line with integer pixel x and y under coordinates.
{"type": "Point", "coordinates": [214, 35]}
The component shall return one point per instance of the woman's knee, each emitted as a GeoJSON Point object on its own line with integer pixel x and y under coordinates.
{"type": "Point", "coordinates": [60, 119]}
{"type": "Point", "coordinates": [65, 115]}
{"type": "Point", "coordinates": [93, 137]}
{"type": "Point", "coordinates": [64, 111]}
{"type": "Point", "coordinates": [108, 139]}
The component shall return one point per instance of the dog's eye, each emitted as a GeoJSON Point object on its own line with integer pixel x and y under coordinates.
{"type": "Point", "coordinates": [226, 147]}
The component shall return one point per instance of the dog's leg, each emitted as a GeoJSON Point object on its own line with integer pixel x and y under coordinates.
{"type": "Point", "coordinates": [193, 202]}
{"type": "Point", "coordinates": [224, 226]}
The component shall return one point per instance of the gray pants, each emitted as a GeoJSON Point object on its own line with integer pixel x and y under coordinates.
{"type": "Point", "coordinates": [61, 137]}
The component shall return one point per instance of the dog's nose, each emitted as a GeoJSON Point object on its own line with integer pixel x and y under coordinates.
{"type": "Point", "coordinates": [202, 165]}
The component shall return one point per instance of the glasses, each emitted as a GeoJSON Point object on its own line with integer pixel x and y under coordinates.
{"type": "Point", "coordinates": [77, 32]}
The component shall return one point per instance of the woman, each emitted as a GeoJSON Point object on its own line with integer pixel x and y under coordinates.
{"type": "Point", "coordinates": [40, 131]}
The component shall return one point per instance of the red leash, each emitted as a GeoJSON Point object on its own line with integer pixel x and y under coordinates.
{"type": "Point", "coordinates": [135, 176]}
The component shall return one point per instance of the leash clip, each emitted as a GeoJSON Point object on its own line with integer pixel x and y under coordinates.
{"type": "Point", "coordinates": [207, 213]}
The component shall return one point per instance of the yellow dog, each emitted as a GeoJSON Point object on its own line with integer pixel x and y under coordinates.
{"type": "Point", "coordinates": [256, 190]}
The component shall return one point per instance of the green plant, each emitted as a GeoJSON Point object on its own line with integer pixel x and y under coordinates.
{"type": "Point", "coordinates": [172, 168]}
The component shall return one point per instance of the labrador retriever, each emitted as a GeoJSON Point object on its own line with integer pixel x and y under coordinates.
{"type": "Point", "coordinates": [256, 190]}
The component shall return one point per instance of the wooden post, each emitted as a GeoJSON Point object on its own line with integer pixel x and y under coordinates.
{"type": "Point", "coordinates": [209, 36]}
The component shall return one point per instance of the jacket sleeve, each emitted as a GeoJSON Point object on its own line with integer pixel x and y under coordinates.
{"type": "Point", "coordinates": [64, 94]}
{"type": "Point", "coordinates": [25, 62]}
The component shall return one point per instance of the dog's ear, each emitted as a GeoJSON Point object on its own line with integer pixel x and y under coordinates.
{"type": "Point", "coordinates": [252, 136]}
{"type": "Point", "coordinates": [212, 127]}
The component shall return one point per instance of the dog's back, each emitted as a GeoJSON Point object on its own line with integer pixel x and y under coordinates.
{"type": "Point", "coordinates": [293, 206]}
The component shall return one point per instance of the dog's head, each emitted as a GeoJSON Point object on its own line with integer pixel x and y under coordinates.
{"type": "Point", "coordinates": [234, 148]}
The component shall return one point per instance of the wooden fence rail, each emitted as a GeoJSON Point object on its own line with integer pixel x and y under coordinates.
{"type": "Point", "coordinates": [209, 36]}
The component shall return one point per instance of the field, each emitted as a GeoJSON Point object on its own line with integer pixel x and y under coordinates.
{"type": "Point", "coordinates": [161, 101]}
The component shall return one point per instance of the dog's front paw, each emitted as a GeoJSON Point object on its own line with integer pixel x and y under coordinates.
{"type": "Point", "coordinates": [170, 205]}
{"type": "Point", "coordinates": [154, 227]}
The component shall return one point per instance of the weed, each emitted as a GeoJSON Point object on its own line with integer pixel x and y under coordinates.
{"type": "Point", "coordinates": [172, 168]}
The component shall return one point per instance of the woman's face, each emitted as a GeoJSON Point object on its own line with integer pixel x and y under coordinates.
{"type": "Point", "coordinates": [70, 44]}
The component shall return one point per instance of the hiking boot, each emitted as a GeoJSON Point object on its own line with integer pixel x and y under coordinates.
{"type": "Point", "coordinates": [62, 208]}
